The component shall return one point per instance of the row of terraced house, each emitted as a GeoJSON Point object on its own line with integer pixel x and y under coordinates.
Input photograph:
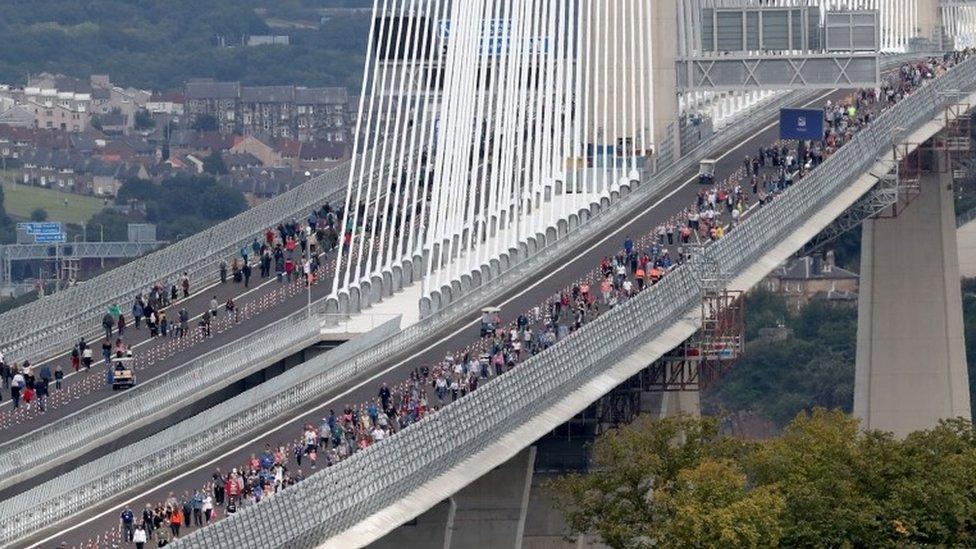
{"type": "Point", "coordinates": [294, 112]}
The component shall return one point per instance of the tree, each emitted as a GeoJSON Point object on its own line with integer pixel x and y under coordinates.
{"type": "Point", "coordinates": [205, 123]}
{"type": "Point", "coordinates": [633, 493]}
{"type": "Point", "coordinates": [214, 164]}
{"type": "Point", "coordinates": [824, 482]}
{"type": "Point", "coordinates": [38, 214]}
{"type": "Point", "coordinates": [183, 205]}
{"type": "Point", "coordinates": [144, 120]}
{"type": "Point", "coordinates": [7, 233]}
{"type": "Point", "coordinates": [778, 379]}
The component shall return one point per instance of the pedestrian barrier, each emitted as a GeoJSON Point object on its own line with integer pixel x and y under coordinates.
{"type": "Point", "coordinates": [53, 323]}
{"type": "Point", "coordinates": [136, 463]}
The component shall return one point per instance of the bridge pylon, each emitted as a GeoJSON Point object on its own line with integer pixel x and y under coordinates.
{"type": "Point", "coordinates": [911, 357]}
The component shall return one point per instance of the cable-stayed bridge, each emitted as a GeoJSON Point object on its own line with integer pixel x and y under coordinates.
{"type": "Point", "coordinates": [500, 141]}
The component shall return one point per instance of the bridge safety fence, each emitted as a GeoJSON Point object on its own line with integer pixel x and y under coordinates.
{"type": "Point", "coordinates": [142, 461]}
{"type": "Point", "coordinates": [332, 501]}
{"type": "Point", "coordinates": [55, 322]}
{"type": "Point", "coordinates": [126, 411]}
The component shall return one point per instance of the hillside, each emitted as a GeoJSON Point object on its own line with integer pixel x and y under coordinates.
{"type": "Point", "coordinates": [159, 44]}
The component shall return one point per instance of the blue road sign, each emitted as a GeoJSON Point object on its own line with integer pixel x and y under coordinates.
{"type": "Point", "coordinates": [46, 227]}
{"type": "Point", "coordinates": [49, 238]}
{"type": "Point", "coordinates": [802, 124]}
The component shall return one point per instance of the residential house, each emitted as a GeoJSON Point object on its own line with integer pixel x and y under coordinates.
{"type": "Point", "coordinates": [17, 115]}
{"type": "Point", "coordinates": [268, 110]}
{"type": "Point", "coordinates": [105, 180]}
{"type": "Point", "coordinates": [114, 123]}
{"type": "Point", "coordinates": [171, 103]}
{"type": "Point", "coordinates": [237, 162]}
{"type": "Point", "coordinates": [813, 278]}
{"type": "Point", "coordinates": [305, 114]}
{"type": "Point", "coordinates": [46, 80]}
{"type": "Point", "coordinates": [322, 155]}
{"type": "Point", "coordinates": [217, 99]}
{"type": "Point", "coordinates": [54, 109]}
{"type": "Point", "coordinates": [322, 114]}
{"type": "Point", "coordinates": [260, 146]}
{"type": "Point", "coordinates": [268, 40]}
{"type": "Point", "coordinates": [264, 182]}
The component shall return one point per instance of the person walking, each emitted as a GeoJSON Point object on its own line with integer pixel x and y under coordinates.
{"type": "Point", "coordinates": [196, 503]}
{"type": "Point", "coordinates": [138, 311]}
{"type": "Point", "coordinates": [41, 391]}
{"type": "Point", "coordinates": [86, 356]}
{"type": "Point", "coordinates": [139, 536]}
{"type": "Point", "coordinates": [17, 385]}
{"type": "Point", "coordinates": [106, 351]}
{"type": "Point", "coordinates": [184, 322]}
{"type": "Point", "coordinates": [108, 322]}
{"type": "Point", "coordinates": [127, 524]}
{"type": "Point", "coordinates": [58, 377]}
{"type": "Point", "coordinates": [232, 312]}
{"type": "Point", "coordinates": [176, 520]}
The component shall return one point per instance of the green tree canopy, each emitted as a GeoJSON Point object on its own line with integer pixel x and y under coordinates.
{"type": "Point", "coordinates": [214, 164]}
{"type": "Point", "coordinates": [7, 232]}
{"type": "Point", "coordinates": [160, 45]}
{"type": "Point", "coordinates": [144, 120]}
{"type": "Point", "coordinates": [777, 379]}
{"type": "Point", "coordinates": [182, 205]}
{"type": "Point", "coordinates": [205, 123]}
{"type": "Point", "coordinates": [823, 482]}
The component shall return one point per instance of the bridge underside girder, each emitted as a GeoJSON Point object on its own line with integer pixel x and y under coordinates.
{"type": "Point", "coordinates": [778, 72]}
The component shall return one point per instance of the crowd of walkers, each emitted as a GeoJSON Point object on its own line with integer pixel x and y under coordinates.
{"type": "Point", "coordinates": [289, 252]}
{"type": "Point", "coordinates": [638, 265]}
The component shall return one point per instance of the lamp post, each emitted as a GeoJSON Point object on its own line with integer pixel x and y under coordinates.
{"type": "Point", "coordinates": [308, 276]}
{"type": "Point", "coordinates": [101, 238]}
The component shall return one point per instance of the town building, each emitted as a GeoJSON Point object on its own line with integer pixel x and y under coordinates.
{"type": "Point", "coordinates": [809, 278]}
{"type": "Point", "coordinates": [304, 114]}
{"type": "Point", "coordinates": [220, 100]}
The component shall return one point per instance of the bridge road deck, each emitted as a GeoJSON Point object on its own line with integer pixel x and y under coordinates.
{"type": "Point", "coordinates": [582, 259]}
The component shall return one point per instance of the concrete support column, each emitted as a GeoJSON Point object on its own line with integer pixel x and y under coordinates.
{"type": "Point", "coordinates": [676, 403]}
{"type": "Point", "coordinates": [911, 357]}
{"type": "Point", "coordinates": [489, 512]}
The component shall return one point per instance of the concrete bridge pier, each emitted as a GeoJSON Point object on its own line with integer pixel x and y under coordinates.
{"type": "Point", "coordinates": [911, 356]}
{"type": "Point", "coordinates": [489, 512]}
{"type": "Point", "coordinates": [676, 403]}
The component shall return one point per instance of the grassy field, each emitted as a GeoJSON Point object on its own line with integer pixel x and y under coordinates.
{"type": "Point", "coordinates": [21, 200]}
